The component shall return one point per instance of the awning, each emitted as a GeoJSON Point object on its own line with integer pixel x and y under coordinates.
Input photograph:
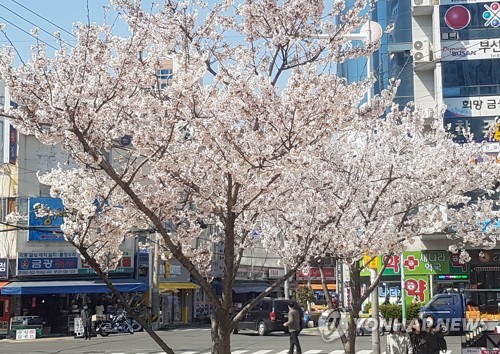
{"type": "Point", "coordinates": [175, 287]}
{"type": "Point", "coordinates": [252, 287]}
{"type": "Point", "coordinates": [320, 287]}
{"type": "Point", "coordinates": [71, 287]}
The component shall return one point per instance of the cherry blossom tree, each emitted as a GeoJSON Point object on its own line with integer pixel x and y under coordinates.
{"type": "Point", "coordinates": [376, 187]}
{"type": "Point", "coordinates": [254, 131]}
{"type": "Point", "coordinates": [251, 95]}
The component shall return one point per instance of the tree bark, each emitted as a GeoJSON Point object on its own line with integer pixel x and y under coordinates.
{"type": "Point", "coordinates": [221, 333]}
{"type": "Point", "coordinates": [324, 284]}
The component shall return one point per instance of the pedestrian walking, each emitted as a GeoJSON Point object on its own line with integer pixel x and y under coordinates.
{"type": "Point", "coordinates": [294, 328]}
{"type": "Point", "coordinates": [398, 341]}
{"type": "Point", "coordinates": [87, 321]}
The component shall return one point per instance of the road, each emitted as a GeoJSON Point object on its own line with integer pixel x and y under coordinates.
{"type": "Point", "coordinates": [190, 341]}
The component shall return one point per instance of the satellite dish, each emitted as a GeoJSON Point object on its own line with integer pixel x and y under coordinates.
{"type": "Point", "coordinates": [374, 27]}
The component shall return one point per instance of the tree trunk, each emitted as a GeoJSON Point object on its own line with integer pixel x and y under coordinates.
{"type": "Point", "coordinates": [350, 344]}
{"type": "Point", "coordinates": [221, 333]}
{"type": "Point", "coordinates": [328, 298]}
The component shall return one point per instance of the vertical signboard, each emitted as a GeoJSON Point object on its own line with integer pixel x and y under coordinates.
{"type": "Point", "coordinates": [12, 145]}
{"type": "Point", "coordinates": [4, 268]}
{"type": "Point", "coordinates": [47, 227]}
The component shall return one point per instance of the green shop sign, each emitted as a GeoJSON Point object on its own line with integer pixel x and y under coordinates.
{"type": "Point", "coordinates": [422, 263]}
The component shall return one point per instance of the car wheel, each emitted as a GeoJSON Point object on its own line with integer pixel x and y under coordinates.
{"type": "Point", "coordinates": [360, 332]}
{"type": "Point", "coordinates": [262, 328]}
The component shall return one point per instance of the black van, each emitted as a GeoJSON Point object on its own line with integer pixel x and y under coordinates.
{"type": "Point", "coordinates": [268, 316]}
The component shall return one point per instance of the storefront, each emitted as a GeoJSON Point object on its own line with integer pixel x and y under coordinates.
{"type": "Point", "coordinates": [58, 302]}
{"type": "Point", "coordinates": [176, 293]}
{"type": "Point", "coordinates": [425, 274]}
{"type": "Point", "coordinates": [311, 277]}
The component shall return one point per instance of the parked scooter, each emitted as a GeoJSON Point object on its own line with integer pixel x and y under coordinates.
{"type": "Point", "coordinates": [117, 324]}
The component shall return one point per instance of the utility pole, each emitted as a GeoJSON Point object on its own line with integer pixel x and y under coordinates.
{"type": "Point", "coordinates": [155, 288]}
{"type": "Point", "coordinates": [375, 316]}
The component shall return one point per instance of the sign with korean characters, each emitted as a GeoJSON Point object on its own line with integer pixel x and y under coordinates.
{"type": "Point", "coordinates": [47, 263]}
{"type": "Point", "coordinates": [416, 289]}
{"type": "Point", "coordinates": [476, 106]}
{"type": "Point", "coordinates": [469, 49]}
{"type": "Point", "coordinates": [125, 265]}
{"type": "Point", "coordinates": [4, 268]}
{"type": "Point", "coordinates": [422, 262]}
{"type": "Point", "coordinates": [433, 262]}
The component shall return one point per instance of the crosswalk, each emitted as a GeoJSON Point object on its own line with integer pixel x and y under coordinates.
{"type": "Point", "coordinates": [270, 351]}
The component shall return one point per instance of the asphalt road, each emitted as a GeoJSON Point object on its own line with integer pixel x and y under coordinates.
{"type": "Point", "coordinates": [192, 341]}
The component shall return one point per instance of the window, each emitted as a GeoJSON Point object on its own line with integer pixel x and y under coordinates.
{"type": "Point", "coordinates": [441, 301]}
{"type": "Point", "coordinates": [164, 74]}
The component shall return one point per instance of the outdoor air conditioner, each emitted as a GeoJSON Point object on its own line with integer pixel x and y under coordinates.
{"type": "Point", "coordinates": [421, 51]}
{"type": "Point", "coordinates": [419, 3]}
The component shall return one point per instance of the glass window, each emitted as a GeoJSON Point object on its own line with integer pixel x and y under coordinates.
{"type": "Point", "coordinates": [441, 301]}
{"type": "Point", "coordinates": [465, 78]}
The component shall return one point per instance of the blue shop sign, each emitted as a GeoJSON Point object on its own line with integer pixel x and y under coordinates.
{"type": "Point", "coordinates": [44, 263]}
{"type": "Point", "coordinates": [46, 228]}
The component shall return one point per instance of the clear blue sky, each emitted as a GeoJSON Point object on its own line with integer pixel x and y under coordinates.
{"type": "Point", "coordinates": [58, 13]}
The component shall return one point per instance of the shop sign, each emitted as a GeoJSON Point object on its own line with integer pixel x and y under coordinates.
{"type": "Point", "coordinates": [12, 145]}
{"type": "Point", "coordinates": [47, 263]}
{"type": "Point", "coordinates": [485, 258]}
{"type": "Point", "coordinates": [476, 106]}
{"type": "Point", "coordinates": [125, 265]}
{"type": "Point", "coordinates": [312, 273]}
{"type": "Point", "coordinates": [46, 228]}
{"type": "Point", "coordinates": [22, 334]}
{"type": "Point", "coordinates": [469, 49]}
{"type": "Point", "coordinates": [417, 289]}
{"type": "Point", "coordinates": [422, 262]}
{"type": "Point", "coordinates": [4, 268]}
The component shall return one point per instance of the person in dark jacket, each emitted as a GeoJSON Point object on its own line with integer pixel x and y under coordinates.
{"type": "Point", "coordinates": [87, 321]}
{"type": "Point", "coordinates": [423, 341]}
{"type": "Point", "coordinates": [294, 328]}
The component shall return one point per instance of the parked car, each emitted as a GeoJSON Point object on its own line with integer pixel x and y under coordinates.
{"type": "Point", "coordinates": [366, 325]}
{"type": "Point", "coordinates": [268, 316]}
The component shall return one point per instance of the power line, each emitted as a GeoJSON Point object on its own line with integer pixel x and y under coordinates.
{"type": "Point", "coordinates": [31, 23]}
{"type": "Point", "coordinates": [28, 33]}
{"type": "Point", "coordinates": [52, 23]}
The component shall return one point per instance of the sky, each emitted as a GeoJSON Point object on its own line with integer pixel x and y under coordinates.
{"type": "Point", "coordinates": [20, 16]}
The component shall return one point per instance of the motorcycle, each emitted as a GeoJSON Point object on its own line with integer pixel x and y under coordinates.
{"type": "Point", "coordinates": [117, 324]}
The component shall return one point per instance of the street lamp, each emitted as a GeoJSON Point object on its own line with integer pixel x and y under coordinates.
{"type": "Point", "coordinates": [370, 32]}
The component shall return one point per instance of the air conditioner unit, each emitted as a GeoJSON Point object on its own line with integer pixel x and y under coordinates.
{"type": "Point", "coordinates": [421, 51]}
{"type": "Point", "coordinates": [419, 3]}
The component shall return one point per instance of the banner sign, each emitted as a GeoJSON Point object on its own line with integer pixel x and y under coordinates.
{"type": "Point", "coordinates": [47, 263]}
{"type": "Point", "coordinates": [47, 228]}
{"type": "Point", "coordinates": [469, 49]}
{"type": "Point", "coordinates": [477, 106]}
